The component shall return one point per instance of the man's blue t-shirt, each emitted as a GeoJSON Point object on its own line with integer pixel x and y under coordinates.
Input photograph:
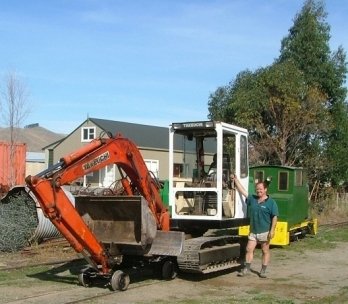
{"type": "Point", "coordinates": [261, 214]}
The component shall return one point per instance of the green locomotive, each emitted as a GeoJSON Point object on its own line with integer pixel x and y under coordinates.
{"type": "Point", "coordinates": [288, 187]}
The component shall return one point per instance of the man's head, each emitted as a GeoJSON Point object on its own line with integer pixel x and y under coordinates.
{"type": "Point", "coordinates": [261, 189]}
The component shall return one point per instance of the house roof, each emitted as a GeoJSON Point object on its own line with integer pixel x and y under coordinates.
{"type": "Point", "coordinates": [144, 136]}
{"type": "Point", "coordinates": [54, 144]}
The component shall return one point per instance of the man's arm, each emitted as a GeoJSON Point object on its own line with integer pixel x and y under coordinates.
{"type": "Point", "coordinates": [273, 226]}
{"type": "Point", "coordinates": [239, 186]}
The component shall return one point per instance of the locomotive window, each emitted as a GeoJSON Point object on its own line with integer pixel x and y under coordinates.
{"type": "Point", "coordinates": [298, 178]}
{"type": "Point", "coordinates": [283, 181]}
{"type": "Point", "coordinates": [258, 177]}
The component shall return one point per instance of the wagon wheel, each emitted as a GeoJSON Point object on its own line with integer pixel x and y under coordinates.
{"type": "Point", "coordinates": [86, 276]}
{"type": "Point", "coordinates": [168, 270]}
{"type": "Point", "coordinates": [119, 281]}
{"type": "Point", "coordinates": [84, 279]}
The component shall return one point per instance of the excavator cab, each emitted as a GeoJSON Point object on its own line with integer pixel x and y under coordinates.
{"type": "Point", "coordinates": [202, 157]}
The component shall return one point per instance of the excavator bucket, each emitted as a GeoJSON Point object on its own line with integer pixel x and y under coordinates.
{"type": "Point", "coordinates": [125, 225]}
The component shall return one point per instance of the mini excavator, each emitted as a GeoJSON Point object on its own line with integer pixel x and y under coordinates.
{"type": "Point", "coordinates": [191, 234]}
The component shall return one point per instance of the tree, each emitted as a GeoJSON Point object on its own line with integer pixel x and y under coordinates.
{"type": "Point", "coordinates": [308, 46]}
{"type": "Point", "coordinates": [222, 105]}
{"type": "Point", "coordinates": [294, 112]}
{"type": "Point", "coordinates": [279, 109]}
{"type": "Point", "coordinates": [217, 104]}
{"type": "Point", "coordinates": [14, 103]}
{"type": "Point", "coordinates": [14, 108]}
{"type": "Point", "coordinates": [295, 109]}
{"type": "Point", "coordinates": [336, 153]}
{"type": "Point", "coordinates": [307, 42]}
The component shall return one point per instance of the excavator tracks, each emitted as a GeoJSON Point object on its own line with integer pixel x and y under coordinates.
{"type": "Point", "coordinates": [209, 254]}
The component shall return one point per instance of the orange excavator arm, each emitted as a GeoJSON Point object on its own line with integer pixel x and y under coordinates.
{"type": "Point", "coordinates": [47, 187]}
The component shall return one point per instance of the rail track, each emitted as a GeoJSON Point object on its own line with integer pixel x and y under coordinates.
{"type": "Point", "coordinates": [84, 295]}
{"type": "Point", "coordinates": [334, 225]}
{"type": "Point", "coordinates": [108, 294]}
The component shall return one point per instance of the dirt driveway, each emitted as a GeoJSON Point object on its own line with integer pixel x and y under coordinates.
{"type": "Point", "coordinates": [295, 276]}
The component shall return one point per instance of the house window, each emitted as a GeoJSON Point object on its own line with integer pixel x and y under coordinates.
{"type": "Point", "coordinates": [153, 166]}
{"type": "Point", "coordinates": [88, 134]}
{"type": "Point", "coordinates": [177, 170]}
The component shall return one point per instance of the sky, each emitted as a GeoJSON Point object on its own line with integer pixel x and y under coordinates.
{"type": "Point", "coordinates": [149, 62]}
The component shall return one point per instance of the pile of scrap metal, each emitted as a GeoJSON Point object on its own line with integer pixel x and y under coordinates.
{"type": "Point", "coordinates": [22, 222]}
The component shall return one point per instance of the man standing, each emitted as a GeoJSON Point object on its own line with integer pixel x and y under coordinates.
{"type": "Point", "coordinates": [263, 213]}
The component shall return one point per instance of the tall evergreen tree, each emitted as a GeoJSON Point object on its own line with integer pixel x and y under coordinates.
{"type": "Point", "coordinates": [307, 43]}
{"type": "Point", "coordinates": [295, 109]}
{"type": "Point", "coordinates": [308, 46]}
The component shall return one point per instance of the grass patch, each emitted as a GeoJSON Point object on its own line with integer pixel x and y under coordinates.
{"type": "Point", "coordinates": [326, 238]}
{"type": "Point", "coordinates": [259, 299]}
{"type": "Point", "coordinates": [65, 273]}
{"type": "Point", "coordinates": [341, 297]}
{"type": "Point", "coordinates": [20, 277]}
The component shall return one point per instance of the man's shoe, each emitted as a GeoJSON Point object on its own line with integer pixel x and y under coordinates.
{"type": "Point", "coordinates": [262, 275]}
{"type": "Point", "coordinates": [244, 272]}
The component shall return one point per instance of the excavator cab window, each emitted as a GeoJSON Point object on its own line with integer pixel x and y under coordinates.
{"type": "Point", "coordinates": [226, 167]}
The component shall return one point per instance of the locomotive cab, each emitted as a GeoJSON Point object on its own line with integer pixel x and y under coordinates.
{"type": "Point", "coordinates": [288, 187]}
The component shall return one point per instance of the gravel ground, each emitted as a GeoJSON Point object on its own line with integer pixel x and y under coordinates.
{"type": "Point", "coordinates": [303, 276]}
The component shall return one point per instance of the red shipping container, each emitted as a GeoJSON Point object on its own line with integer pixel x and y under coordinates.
{"type": "Point", "coordinates": [12, 164]}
